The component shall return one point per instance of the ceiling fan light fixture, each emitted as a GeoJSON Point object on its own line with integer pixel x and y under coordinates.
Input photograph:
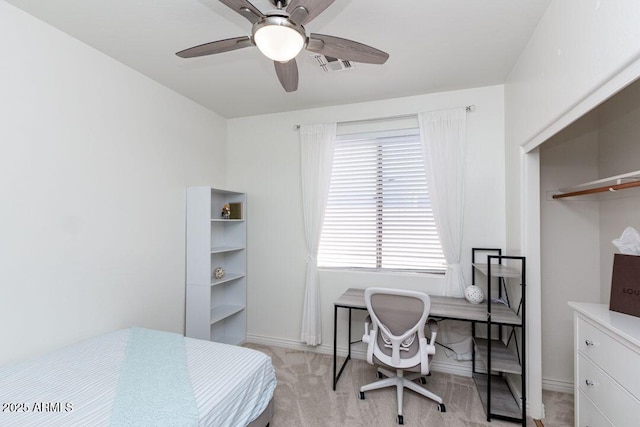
{"type": "Point", "coordinates": [278, 38]}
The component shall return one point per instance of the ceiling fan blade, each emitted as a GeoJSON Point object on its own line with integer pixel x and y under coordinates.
{"type": "Point", "coordinates": [244, 8]}
{"type": "Point", "coordinates": [216, 47]}
{"type": "Point", "coordinates": [310, 9]}
{"type": "Point", "coordinates": [287, 74]}
{"type": "Point", "coordinates": [349, 50]}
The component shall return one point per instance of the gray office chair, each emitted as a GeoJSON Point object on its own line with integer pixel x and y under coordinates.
{"type": "Point", "coordinates": [394, 333]}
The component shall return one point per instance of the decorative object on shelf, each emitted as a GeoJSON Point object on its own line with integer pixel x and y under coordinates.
{"type": "Point", "coordinates": [226, 212]}
{"type": "Point", "coordinates": [474, 294]}
{"type": "Point", "coordinates": [218, 273]}
{"type": "Point", "coordinates": [235, 210]}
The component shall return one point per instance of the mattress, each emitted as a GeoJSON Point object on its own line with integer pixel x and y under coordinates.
{"type": "Point", "coordinates": [77, 385]}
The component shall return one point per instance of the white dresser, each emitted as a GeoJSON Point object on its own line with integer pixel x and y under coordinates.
{"type": "Point", "coordinates": [607, 367]}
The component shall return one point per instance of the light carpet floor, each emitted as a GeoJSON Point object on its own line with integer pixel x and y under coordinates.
{"type": "Point", "coordinates": [304, 397]}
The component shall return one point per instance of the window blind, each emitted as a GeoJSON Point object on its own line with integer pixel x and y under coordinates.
{"type": "Point", "coordinates": [378, 213]}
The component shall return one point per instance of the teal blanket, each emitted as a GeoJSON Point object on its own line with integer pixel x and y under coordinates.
{"type": "Point", "coordinates": [154, 388]}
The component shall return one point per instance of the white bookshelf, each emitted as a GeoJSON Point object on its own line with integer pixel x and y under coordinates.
{"type": "Point", "coordinates": [215, 308]}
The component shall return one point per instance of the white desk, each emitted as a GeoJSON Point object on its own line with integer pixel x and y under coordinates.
{"type": "Point", "coordinates": [441, 307]}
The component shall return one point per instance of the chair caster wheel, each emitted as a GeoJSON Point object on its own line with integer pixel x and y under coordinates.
{"type": "Point", "coordinates": [423, 380]}
{"type": "Point", "coordinates": [361, 395]}
{"type": "Point", "coordinates": [441, 407]}
{"type": "Point", "coordinates": [400, 420]}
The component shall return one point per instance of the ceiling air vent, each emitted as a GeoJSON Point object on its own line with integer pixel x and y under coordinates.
{"type": "Point", "coordinates": [330, 64]}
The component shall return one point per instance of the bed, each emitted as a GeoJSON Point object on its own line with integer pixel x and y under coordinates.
{"type": "Point", "coordinates": [134, 377]}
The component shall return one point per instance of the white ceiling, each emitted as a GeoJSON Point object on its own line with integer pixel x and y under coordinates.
{"type": "Point", "coordinates": [434, 45]}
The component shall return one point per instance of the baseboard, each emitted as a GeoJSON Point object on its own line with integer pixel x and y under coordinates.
{"type": "Point", "coordinates": [448, 367]}
{"type": "Point", "coordinates": [561, 386]}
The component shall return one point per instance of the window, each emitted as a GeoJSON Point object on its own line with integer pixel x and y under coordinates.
{"type": "Point", "coordinates": [378, 213]}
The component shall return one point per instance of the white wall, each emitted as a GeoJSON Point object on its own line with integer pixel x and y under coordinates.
{"type": "Point", "coordinates": [264, 161]}
{"type": "Point", "coordinates": [94, 161]}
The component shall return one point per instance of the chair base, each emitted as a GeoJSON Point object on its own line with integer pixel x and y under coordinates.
{"type": "Point", "coordinates": [400, 381]}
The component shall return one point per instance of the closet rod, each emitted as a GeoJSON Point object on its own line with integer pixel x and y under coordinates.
{"type": "Point", "coordinates": [598, 189]}
{"type": "Point", "coordinates": [468, 108]}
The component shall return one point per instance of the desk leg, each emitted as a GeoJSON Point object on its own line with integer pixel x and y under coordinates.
{"type": "Point", "coordinates": [336, 377]}
{"type": "Point", "coordinates": [473, 348]}
{"type": "Point", "coordinates": [335, 344]}
{"type": "Point", "coordinates": [349, 329]}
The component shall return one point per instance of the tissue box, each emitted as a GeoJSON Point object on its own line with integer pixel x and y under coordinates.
{"type": "Point", "coordinates": [625, 284]}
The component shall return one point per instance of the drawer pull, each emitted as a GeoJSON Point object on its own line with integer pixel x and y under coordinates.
{"type": "Point", "coordinates": [588, 342]}
{"type": "Point", "coordinates": [588, 382]}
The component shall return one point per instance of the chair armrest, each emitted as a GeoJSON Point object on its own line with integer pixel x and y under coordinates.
{"type": "Point", "coordinates": [370, 339]}
{"type": "Point", "coordinates": [367, 323]}
{"type": "Point", "coordinates": [425, 351]}
{"type": "Point", "coordinates": [433, 327]}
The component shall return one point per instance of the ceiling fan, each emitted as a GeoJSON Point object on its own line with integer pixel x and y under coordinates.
{"type": "Point", "coordinates": [280, 36]}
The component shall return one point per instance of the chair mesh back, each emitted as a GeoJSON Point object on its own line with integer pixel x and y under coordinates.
{"type": "Point", "coordinates": [398, 313]}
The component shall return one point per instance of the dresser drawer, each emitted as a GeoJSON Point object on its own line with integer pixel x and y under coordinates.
{"type": "Point", "coordinates": [615, 358]}
{"type": "Point", "coordinates": [606, 394]}
{"type": "Point", "coordinates": [588, 414]}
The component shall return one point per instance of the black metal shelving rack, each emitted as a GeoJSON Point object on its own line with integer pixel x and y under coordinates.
{"type": "Point", "coordinates": [499, 357]}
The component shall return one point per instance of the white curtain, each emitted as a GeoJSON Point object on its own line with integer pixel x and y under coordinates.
{"type": "Point", "coordinates": [443, 136]}
{"type": "Point", "coordinates": [317, 146]}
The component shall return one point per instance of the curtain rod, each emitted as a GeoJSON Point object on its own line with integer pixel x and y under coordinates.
{"type": "Point", "coordinates": [468, 108]}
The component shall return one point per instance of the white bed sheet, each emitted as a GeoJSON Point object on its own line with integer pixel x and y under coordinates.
{"type": "Point", "coordinates": [76, 385]}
